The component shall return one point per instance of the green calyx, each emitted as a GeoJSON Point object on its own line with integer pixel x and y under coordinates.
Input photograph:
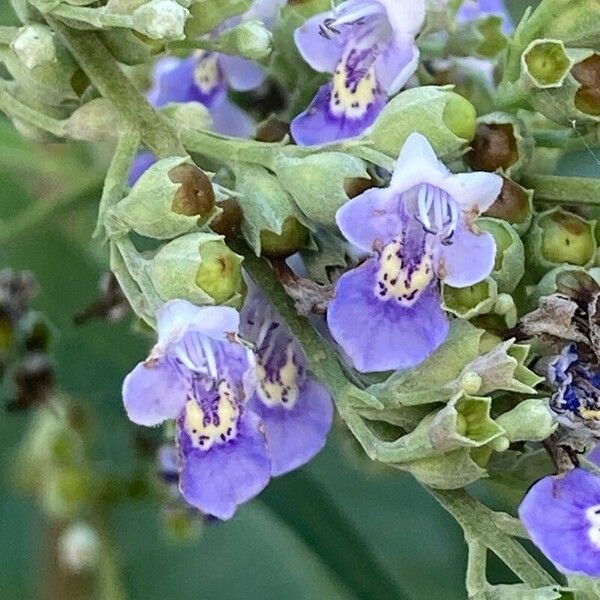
{"type": "Point", "coordinates": [545, 63]}
{"type": "Point", "coordinates": [471, 301]}
{"type": "Point", "coordinates": [293, 236]}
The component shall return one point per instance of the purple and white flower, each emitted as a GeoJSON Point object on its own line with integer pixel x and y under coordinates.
{"type": "Point", "coordinates": [195, 376]}
{"type": "Point", "coordinates": [369, 47]}
{"type": "Point", "coordinates": [387, 313]}
{"type": "Point", "coordinates": [296, 409]}
{"type": "Point", "coordinates": [562, 516]}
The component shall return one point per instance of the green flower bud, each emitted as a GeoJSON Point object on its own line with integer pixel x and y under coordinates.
{"type": "Point", "coordinates": [469, 302]}
{"type": "Point", "coordinates": [514, 205]}
{"type": "Point", "coordinates": [192, 115]}
{"type": "Point", "coordinates": [198, 267]}
{"type": "Point", "coordinates": [530, 421]}
{"type": "Point", "coordinates": [293, 236]}
{"type": "Point", "coordinates": [471, 383]}
{"type": "Point", "coordinates": [482, 37]}
{"type": "Point", "coordinates": [94, 121]}
{"type": "Point", "coordinates": [545, 64]}
{"type": "Point", "coordinates": [509, 267]}
{"type": "Point", "coordinates": [171, 198]}
{"type": "Point", "coordinates": [161, 20]}
{"type": "Point", "coordinates": [34, 45]}
{"type": "Point", "coordinates": [250, 39]}
{"type": "Point", "coordinates": [558, 236]}
{"type": "Point", "coordinates": [446, 119]}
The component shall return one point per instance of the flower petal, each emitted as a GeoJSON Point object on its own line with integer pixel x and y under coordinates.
{"type": "Point", "coordinates": [230, 119]}
{"type": "Point", "coordinates": [417, 164]}
{"type": "Point", "coordinates": [405, 17]}
{"type": "Point", "coordinates": [390, 336]}
{"type": "Point", "coordinates": [153, 393]}
{"type": "Point", "coordinates": [296, 435]}
{"type": "Point", "coordinates": [177, 317]}
{"type": "Point", "coordinates": [397, 64]}
{"type": "Point", "coordinates": [474, 192]}
{"type": "Point", "coordinates": [219, 480]}
{"type": "Point", "coordinates": [468, 259]}
{"type": "Point", "coordinates": [553, 511]}
{"type": "Point", "coordinates": [319, 125]}
{"type": "Point", "coordinates": [321, 53]}
{"type": "Point", "coordinates": [143, 161]}
{"type": "Point", "coordinates": [373, 215]}
{"type": "Point", "coordinates": [173, 81]}
{"type": "Point", "coordinates": [241, 74]}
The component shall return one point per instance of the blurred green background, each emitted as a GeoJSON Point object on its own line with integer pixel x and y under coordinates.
{"type": "Point", "coordinates": [339, 528]}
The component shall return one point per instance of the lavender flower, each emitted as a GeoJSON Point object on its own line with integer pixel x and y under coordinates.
{"type": "Point", "coordinates": [470, 10]}
{"type": "Point", "coordinates": [562, 516]}
{"type": "Point", "coordinates": [194, 375]}
{"type": "Point", "coordinates": [576, 400]}
{"type": "Point", "coordinates": [296, 409]}
{"type": "Point", "coordinates": [369, 47]}
{"type": "Point", "coordinates": [386, 313]}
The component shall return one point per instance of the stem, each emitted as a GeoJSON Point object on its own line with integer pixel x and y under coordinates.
{"type": "Point", "coordinates": [566, 139]}
{"type": "Point", "coordinates": [104, 72]}
{"type": "Point", "coordinates": [115, 184]}
{"type": "Point", "coordinates": [15, 108]}
{"type": "Point", "coordinates": [8, 34]}
{"type": "Point", "coordinates": [476, 581]}
{"type": "Point", "coordinates": [565, 190]}
{"type": "Point", "coordinates": [477, 521]}
{"type": "Point", "coordinates": [510, 525]}
{"type": "Point", "coordinates": [45, 210]}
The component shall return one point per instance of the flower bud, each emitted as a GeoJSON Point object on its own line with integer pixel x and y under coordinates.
{"type": "Point", "coordinates": [558, 236]}
{"type": "Point", "coordinates": [514, 205]}
{"type": "Point", "coordinates": [587, 74]}
{"type": "Point", "coordinates": [66, 491]}
{"type": "Point", "coordinates": [530, 421]}
{"type": "Point", "coordinates": [198, 267]}
{"type": "Point", "coordinates": [250, 40]}
{"type": "Point", "coordinates": [228, 222]}
{"type": "Point", "coordinates": [469, 302]}
{"type": "Point", "coordinates": [293, 236]}
{"type": "Point", "coordinates": [460, 116]}
{"type": "Point", "coordinates": [172, 197]}
{"type": "Point", "coordinates": [94, 121]}
{"type": "Point", "coordinates": [79, 547]}
{"type": "Point", "coordinates": [481, 37]}
{"type": "Point", "coordinates": [509, 266]}
{"type": "Point", "coordinates": [34, 45]}
{"type": "Point", "coordinates": [471, 383]}
{"type": "Point", "coordinates": [161, 20]}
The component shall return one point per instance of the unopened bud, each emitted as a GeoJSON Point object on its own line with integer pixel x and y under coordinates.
{"type": "Point", "coordinates": [79, 547]}
{"type": "Point", "coordinates": [460, 116]}
{"type": "Point", "coordinates": [161, 20]}
{"type": "Point", "coordinates": [34, 45]}
{"type": "Point", "coordinates": [513, 205]}
{"type": "Point", "coordinates": [500, 444]}
{"type": "Point", "coordinates": [94, 121]}
{"type": "Point", "coordinates": [587, 74]}
{"type": "Point", "coordinates": [471, 383]}
{"type": "Point", "coordinates": [292, 238]}
{"type": "Point", "coordinates": [229, 221]}
{"type": "Point", "coordinates": [172, 197]}
{"type": "Point", "coordinates": [66, 491]}
{"type": "Point", "coordinates": [250, 39]}
{"type": "Point", "coordinates": [198, 267]}
{"type": "Point", "coordinates": [192, 115]}
{"type": "Point", "coordinates": [493, 148]}
{"type": "Point", "coordinates": [558, 236]}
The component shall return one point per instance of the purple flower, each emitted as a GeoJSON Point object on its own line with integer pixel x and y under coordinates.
{"type": "Point", "coordinates": [576, 399]}
{"type": "Point", "coordinates": [194, 375]}
{"type": "Point", "coordinates": [296, 409]}
{"type": "Point", "coordinates": [562, 516]}
{"type": "Point", "coordinates": [369, 47]}
{"type": "Point", "coordinates": [386, 313]}
{"type": "Point", "coordinates": [203, 77]}
{"type": "Point", "coordinates": [470, 10]}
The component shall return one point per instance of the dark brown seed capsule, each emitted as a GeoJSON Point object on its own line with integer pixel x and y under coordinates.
{"type": "Point", "coordinates": [196, 195]}
{"type": "Point", "coordinates": [494, 147]}
{"type": "Point", "coordinates": [587, 73]}
{"type": "Point", "coordinates": [229, 221]}
{"type": "Point", "coordinates": [512, 204]}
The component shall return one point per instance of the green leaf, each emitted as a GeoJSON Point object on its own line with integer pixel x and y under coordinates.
{"type": "Point", "coordinates": [317, 182]}
{"type": "Point", "coordinates": [328, 251]}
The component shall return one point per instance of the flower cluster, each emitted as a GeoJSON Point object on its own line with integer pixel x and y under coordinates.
{"type": "Point", "coordinates": [242, 416]}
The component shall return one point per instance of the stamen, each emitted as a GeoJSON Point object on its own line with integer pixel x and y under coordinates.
{"type": "Point", "coordinates": [424, 206]}
{"type": "Point", "coordinates": [209, 356]}
{"type": "Point", "coordinates": [356, 17]}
